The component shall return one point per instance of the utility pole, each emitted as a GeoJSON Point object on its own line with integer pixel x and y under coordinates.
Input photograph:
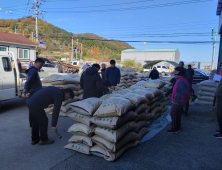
{"type": "Point", "coordinates": [77, 49]}
{"type": "Point", "coordinates": [214, 38]}
{"type": "Point", "coordinates": [81, 51]}
{"type": "Point", "coordinates": [15, 29]}
{"type": "Point", "coordinates": [72, 50]}
{"type": "Point", "coordinates": [37, 14]}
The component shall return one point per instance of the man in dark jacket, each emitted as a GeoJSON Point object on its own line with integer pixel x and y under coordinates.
{"type": "Point", "coordinates": [112, 74]}
{"type": "Point", "coordinates": [103, 70]}
{"type": "Point", "coordinates": [33, 82]}
{"type": "Point", "coordinates": [60, 69]}
{"type": "Point", "coordinates": [36, 104]}
{"type": "Point", "coordinates": [187, 76]}
{"type": "Point", "coordinates": [91, 82]}
{"type": "Point", "coordinates": [191, 73]}
{"type": "Point", "coordinates": [154, 74]}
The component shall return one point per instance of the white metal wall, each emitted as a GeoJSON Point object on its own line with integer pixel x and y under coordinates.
{"type": "Point", "coordinates": [14, 49]}
{"type": "Point", "coordinates": [149, 56]}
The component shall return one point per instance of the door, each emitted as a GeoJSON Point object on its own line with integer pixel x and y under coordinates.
{"type": "Point", "coordinates": [198, 77]}
{"type": "Point", "coordinates": [7, 79]}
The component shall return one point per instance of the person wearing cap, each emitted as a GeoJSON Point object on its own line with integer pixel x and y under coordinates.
{"type": "Point", "coordinates": [180, 96]}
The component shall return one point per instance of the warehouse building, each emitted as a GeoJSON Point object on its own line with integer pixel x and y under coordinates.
{"type": "Point", "coordinates": [144, 55]}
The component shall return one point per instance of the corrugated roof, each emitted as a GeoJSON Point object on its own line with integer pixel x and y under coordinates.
{"type": "Point", "coordinates": [150, 50]}
{"type": "Point", "coordinates": [15, 39]}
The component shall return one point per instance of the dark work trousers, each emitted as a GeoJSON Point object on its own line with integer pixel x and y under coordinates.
{"type": "Point", "coordinates": [39, 122]}
{"type": "Point", "coordinates": [175, 114]}
{"type": "Point", "coordinates": [219, 112]}
{"type": "Point", "coordinates": [214, 102]}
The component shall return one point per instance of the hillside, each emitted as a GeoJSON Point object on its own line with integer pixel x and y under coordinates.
{"type": "Point", "coordinates": [58, 41]}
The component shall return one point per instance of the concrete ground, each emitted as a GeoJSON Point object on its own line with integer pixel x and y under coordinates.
{"type": "Point", "coordinates": [194, 148]}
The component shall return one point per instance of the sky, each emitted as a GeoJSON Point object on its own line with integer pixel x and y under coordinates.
{"type": "Point", "coordinates": [132, 20]}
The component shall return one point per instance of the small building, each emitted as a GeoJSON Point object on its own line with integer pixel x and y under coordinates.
{"type": "Point", "coordinates": [23, 49]}
{"type": "Point", "coordinates": [144, 55]}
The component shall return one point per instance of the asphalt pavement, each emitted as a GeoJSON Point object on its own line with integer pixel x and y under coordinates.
{"type": "Point", "coordinates": [194, 148]}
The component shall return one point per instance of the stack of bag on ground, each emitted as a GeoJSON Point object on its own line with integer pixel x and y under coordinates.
{"type": "Point", "coordinates": [109, 126]}
{"type": "Point", "coordinates": [64, 81]}
{"type": "Point", "coordinates": [83, 130]}
{"type": "Point", "coordinates": [207, 92]}
{"type": "Point", "coordinates": [130, 77]}
{"type": "Point", "coordinates": [212, 73]}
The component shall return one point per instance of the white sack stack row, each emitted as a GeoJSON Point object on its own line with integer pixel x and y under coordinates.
{"type": "Point", "coordinates": [64, 81]}
{"type": "Point", "coordinates": [207, 92]}
{"type": "Point", "coordinates": [109, 126]}
{"type": "Point", "coordinates": [83, 130]}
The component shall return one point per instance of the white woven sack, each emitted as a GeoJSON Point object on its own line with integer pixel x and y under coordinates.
{"type": "Point", "coordinates": [87, 106]}
{"type": "Point", "coordinates": [209, 83]}
{"type": "Point", "coordinates": [80, 118]}
{"type": "Point", "coordinates": [141, 124]}
{"type": "Point", "coordinates": [81, 129]}
{"type": "Point", "coordinates": [122, 92]}
{"type": "Point", "coordinates": [205, 93]}
{"type": "Point", "coordinates": [114, 106]}
{"type": "Point", "coordinates": [144, 93]}
{"type": "Point", "coordinates": [109, 156]}
{"type": "Point", "coordinates": [66, 108]}
{"type": "Point", "coordinates": [143, 132]}
{"type": "Point", "coordinates": [81, 139]}
{"type": "Point", "coordinates": [51, 78]}
{"type": "Point", "coordinates": [114, 147]}
{"type": "Point", "coordinates": [79, 147]}
{"type": "Point", "coordinates": [208, 89]}
{"type": "Point", "coordinates": [65, 80]}
{"type": "Point", "coordinates": [135, 99]}
{"type": "Point", "coordinates": [115, 135]}
{"type": "Point", "coordinates": [114, 122]}
{"type": "Point", "coordinates": [107, 96]}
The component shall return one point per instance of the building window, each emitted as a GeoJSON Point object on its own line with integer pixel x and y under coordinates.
{"type": "Point", "coordinates": [6, 64]}
{"type": "Point", "coordinates": [23, 53]}
{"type": "Point", "coordinates": [2, 48]}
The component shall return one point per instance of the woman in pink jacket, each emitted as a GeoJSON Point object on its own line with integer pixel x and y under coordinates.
{"type": "Point", "coordinates": [180, 96]}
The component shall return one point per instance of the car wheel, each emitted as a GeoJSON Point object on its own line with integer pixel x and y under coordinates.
{"type": "Point", "coordinates": [163, 73]}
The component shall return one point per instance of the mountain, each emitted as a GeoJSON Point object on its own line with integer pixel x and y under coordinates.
{"type": "Point", "coordinates": [59, 42]}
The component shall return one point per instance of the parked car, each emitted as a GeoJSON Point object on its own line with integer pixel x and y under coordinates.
{"type": "Point", "coordinates": [48, 67]}
{"type": "Point", "coordinates": [163, 70]}
{"type": "Point", "coordinates": [199, 76]}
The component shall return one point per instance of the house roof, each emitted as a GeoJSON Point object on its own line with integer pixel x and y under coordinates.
{"type": "Point", "coordinates": [150, 50]}
{"type": "Point", "coordinates": [15, 39]}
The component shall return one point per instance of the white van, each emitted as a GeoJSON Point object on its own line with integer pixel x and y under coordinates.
{"type": "Point", "coordinates": [11, 81]}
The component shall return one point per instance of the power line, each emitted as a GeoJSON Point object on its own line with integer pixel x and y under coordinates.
{"type": "Point", "coordinates": [103, 5]}
{"type": "Point", "coordinates": [136, 8]}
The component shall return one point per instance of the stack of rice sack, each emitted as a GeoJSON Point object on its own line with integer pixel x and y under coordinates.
{"type": "Point", "coordinates": [207, 92]}
{"type": "Point", "coordinates": [123, 80]}
{"type": "Point", "coordinates": [64, 81]}
{"type": "Point", "coordinates": [212, 73]}
{"type": "Point", "coordinates": [83, 130]}
{"type": "Point", "coordinates": [114, 133]}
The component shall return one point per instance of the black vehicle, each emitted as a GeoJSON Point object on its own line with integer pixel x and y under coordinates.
{"type": "Point", "coordinates": [199, 76]}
